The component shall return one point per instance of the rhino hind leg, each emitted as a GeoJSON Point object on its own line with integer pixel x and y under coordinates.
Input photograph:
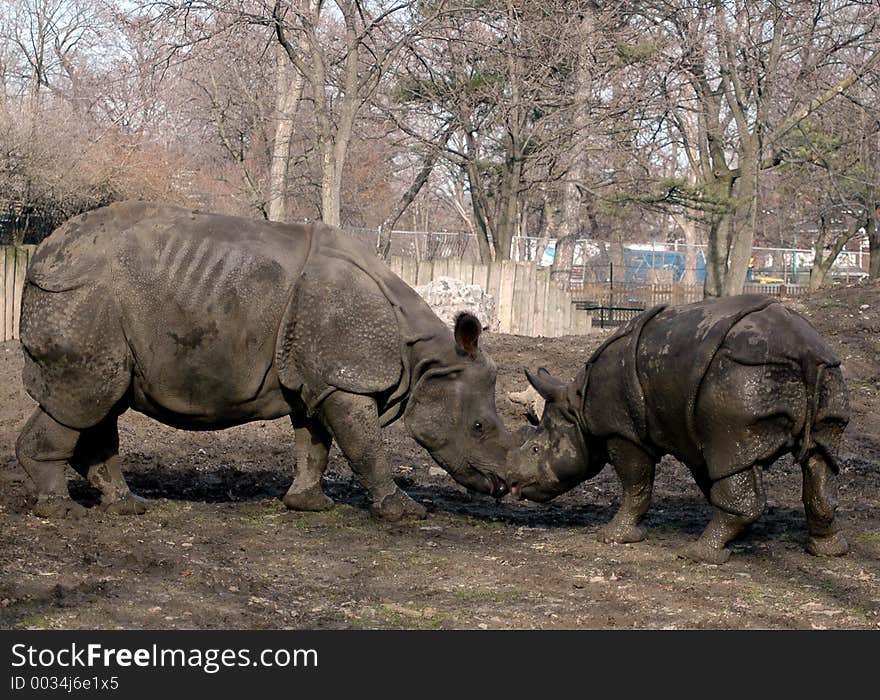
{"type": "Point", "coordinates": [353, 420]}
{"type": "Point", "coordinates": [820, 503]}
{"type": "Point", "coordinates": [312, 450]}
{"type": "Point", "coordinates": [97, 458]}
{"type": "Point", "coordinates": [43, 449]}
{"type": "Point", "coordinates": [635, 469]}
{"type": "Point", "coordinates": [737, 501]}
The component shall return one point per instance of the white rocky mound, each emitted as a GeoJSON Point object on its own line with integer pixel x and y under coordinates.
{"type": "Point", "coordinates": [448, 296]}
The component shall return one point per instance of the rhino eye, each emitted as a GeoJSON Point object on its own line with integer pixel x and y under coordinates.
{"type": "Point", "coordinates": [478, 427]}
{"type": "Point", "coordinates": [535, 449]}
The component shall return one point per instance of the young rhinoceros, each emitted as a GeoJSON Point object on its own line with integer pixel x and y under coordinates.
{"type": "Point", "coordinates": [205, 321]}
{"type": "Point", "coordinates": [726, 386]}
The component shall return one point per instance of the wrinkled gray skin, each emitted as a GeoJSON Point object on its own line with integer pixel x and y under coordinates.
{"type": "Point", "coordinates": [726, 386]}
{"type": "Point", "coordinates": [205, 321]}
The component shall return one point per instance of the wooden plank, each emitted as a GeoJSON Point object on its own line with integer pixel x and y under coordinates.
{"type": "Point", "coordinates": [517, 311]}
{"type": "Point", "coordinates": [531, 301]}
{"type": "Point", "coordinates": [466, 271]}
{"type": "Point", "coordinates": [561, 308]}
{"type": "Point", "coordinates": [425, 272]}
{"type": "Point", "coordinates": [542, 278]}
{"type": "Point", "coordinates": [395, 264]}
{"type": "Point", "coordinates": [586, 324]}
{"type": "Point", "coordinates": [550, 323]}
{"type": "Point", "coordinates": [441, 268]}
{"type": "Point", "coordinates": [493, 284]}
{"type": "Point", "coordinates": [2, 293]}
{"type": "Point", "coordinates": [8, 291]}
{"type": "Point", "coordinates": [21, 261]}
{"type": "Point", "coordinates": [409, 269]}
{"type": "Point", "coordinates": [481, 276]}
{"type": "Point", "coordinates": [567, 308]}
{"type": "Point", "coordinates": [453, 268]}
{"type": "Point", "coordinates": [505, 295]}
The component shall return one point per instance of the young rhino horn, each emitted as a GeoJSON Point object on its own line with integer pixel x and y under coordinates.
{"type": "Point", "coordinates": [550, 388]}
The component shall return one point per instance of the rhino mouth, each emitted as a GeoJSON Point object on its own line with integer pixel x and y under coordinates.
{"type": "Point", "coordinates": [529, 491]}
{"type": "Point", "coordinates": [497, 486]}
{"type": "Point", "coordinates": [477, 479]}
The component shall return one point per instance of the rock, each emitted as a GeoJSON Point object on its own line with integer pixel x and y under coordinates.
{"type": "Point", "coordinates": [448, 296]}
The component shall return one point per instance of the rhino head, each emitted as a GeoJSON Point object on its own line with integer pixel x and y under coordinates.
{"type": "Point", "coordinates": [554, 456]}
{"type": "Point", "coordinates": [451, 413]}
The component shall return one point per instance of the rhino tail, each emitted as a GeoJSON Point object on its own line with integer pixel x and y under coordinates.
{"type": "Point", "coordinates": [813, 370]}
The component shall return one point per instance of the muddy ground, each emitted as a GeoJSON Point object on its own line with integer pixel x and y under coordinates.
{"type": "Point", "coordinates": [217, 549]}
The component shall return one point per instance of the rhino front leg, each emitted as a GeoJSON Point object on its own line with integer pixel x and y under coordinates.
{"type": "Point", "coordinates": [97, 458]}
{"type": "Point", "coordinates": [354, 422]}
{"type": "Point", "coordinates": [820, 502]}
{"type": "Point", "coordinates": [635, 469]}
{"type": "Point", "coordinates": [737, 501]}
{"type": "Point", "coordinates": [312, 450]}
{"type": "Point", "coordinates": [43, 448]}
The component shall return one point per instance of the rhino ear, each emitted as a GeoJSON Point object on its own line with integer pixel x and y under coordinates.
{"type": "Point", "coordinates": [467, 333]}
{"type": "Point", "coordinates": [550, 388]}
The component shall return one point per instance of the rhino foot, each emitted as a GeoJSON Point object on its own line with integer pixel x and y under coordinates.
{"type": "Point", "coordinates": [312, 499]}
{"type": "Point", "coordinates": [621, 534]}
{"type": "Point", "coordinates": [706, 555]}
{"type": "Point", "coordinates": [398, 506]}
{"type": "Point", "coordinates": [130, 504]}
{"type": "Point", "coordinates": [832, 546]}
{"type": "Point", "coordinates": [58, 507]}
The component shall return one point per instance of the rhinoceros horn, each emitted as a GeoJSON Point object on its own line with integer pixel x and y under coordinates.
{"type": "Point", "coordinates": [549, 387]}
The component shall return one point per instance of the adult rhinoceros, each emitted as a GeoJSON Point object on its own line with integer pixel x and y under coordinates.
{"type": "Point", "coordinates": [205, 321]}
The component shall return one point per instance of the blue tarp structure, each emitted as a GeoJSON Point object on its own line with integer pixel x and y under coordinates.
{"type": "Point", "coordinates": [639, 262]}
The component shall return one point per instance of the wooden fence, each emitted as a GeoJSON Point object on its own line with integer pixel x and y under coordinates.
{"type": "Point", "coordinates": [13, 267]}
{"type": "Point", "coordinates": [648, 295]}
{"type": "Point", "coordinates": [527, 302]}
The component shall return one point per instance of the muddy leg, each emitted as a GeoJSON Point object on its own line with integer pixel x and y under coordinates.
{"type": "Point", "coordinates": [43, 449]}
{"type": "Point", "coordinates": [820, 502]}
{"type": "Point", "coordinates": [97, 458]}
{"type": "Point", "coordinates": [312, 449]}
{"type": "Point", "coordinates": [737, 501]}
{"type": "Point", "coordinates": [635, 469]}
{"type": "Point", "coordinates": [354, 422]}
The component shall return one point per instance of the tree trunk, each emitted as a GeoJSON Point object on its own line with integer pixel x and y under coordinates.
{"type": "Point", "coordinates": [289, 88]}
{"type": "Point", "coordinates": [819, 269]}
{"type": "Point", "coordinates": [479, 202]}
{"type": "Point", "coordinates": [569, 228]}
{"type": "Point", "coordinates": [717, 245]}
{"type": "Point", "coordinates": [508, 196]}
{"type": "Point", "coordinates": [873, 248]}
{"type": "Point", "coordinates": [742, 232]}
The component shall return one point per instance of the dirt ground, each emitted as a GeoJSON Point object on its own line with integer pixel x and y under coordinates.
{"type": "Point", "coordinates": [217, 549]}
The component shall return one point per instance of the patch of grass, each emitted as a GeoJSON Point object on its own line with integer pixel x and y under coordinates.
{"type": "Point", "coordinates": [492, 525]}
{"type": "Point", "coordinates": [420, 559]}
{"type": "Point", "coordinates": [869, 537]}
{"type": "Point", "coordinates": [260, 519]}
{"type": "Point", "coordinates": [390, 615]}
{"type": "Point", "coordinates": [481, 595]}
{"type": "Point", "coordinates": [755, 594]}
{"type": "Point", "coordinates": [30, 621]}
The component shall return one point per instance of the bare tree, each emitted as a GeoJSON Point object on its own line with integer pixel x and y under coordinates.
{"type": "Point", "coordinates": [750, 72]}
